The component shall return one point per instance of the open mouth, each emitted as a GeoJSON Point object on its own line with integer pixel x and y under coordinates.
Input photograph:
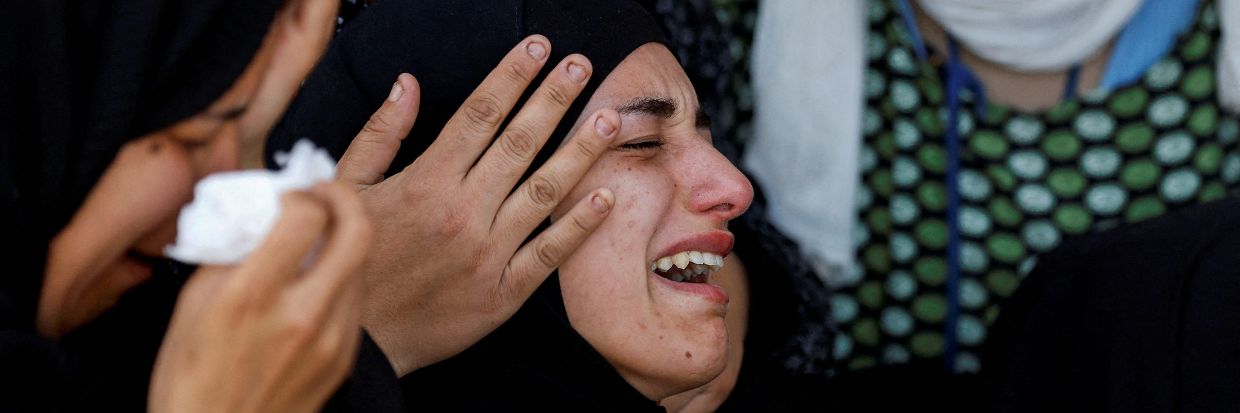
{"type": "Point", "coordinates": [687, 266]}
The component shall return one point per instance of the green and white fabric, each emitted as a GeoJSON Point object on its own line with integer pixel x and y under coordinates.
{"type": "Point", "coordinates": [1027, 181]}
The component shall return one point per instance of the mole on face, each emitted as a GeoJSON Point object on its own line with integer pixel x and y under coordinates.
{"type": "Point", "coordinates": [688, 355]}
{"type": "Point", "coordinates": [155, 147]}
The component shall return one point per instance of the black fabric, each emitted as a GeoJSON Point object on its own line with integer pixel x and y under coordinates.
{"type": "Point", "coordinates": [440, 44]}
{"type": "Point", "coordinates": [536, 361]}
{"type": "Point", "coordinates": [533, 363]}
{"type": "Point", "coordinates": [1144, 318]}
{"type": "Point", "coordinates": [77, 80]}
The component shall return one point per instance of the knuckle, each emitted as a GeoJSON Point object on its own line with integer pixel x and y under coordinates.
{"type": "Point", "coordinates": [556, 94]}
{"type": "Point", "coordinates": [548, 253]}
{"type": "Point", "coordinates": [543, 191]}
{"type": "Point", "coordinates": [580, 223]}
{"type": "Point", "coordinates": [516, 73]}
{"type": "Point", "coordinates": [585, 150]}
{"type": "Point", "coordinates": [483, 112]}
{"type": "Point", "coordinates": [453, 223]}
{"type": "Point", "coordinates": [302, 328]}
{"type": "Point", "coordinates": [378, 124]}
{"type": "Point", "coordinates": [518, 143]}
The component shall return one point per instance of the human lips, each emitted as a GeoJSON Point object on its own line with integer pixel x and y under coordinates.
{"type": "Point", "coordinates": [686, 265]}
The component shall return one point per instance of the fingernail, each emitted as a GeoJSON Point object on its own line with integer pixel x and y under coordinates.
{"type": "Point", "coordinates": [536, 50]}
{"type": "Point", "coordinates": [397, 91]}
{"type": "Point", "coordinates": [576, 72]}
{"type": "Point", "coordinates": [603, 127]}
{"type": "Point", "coordinates": [600, 202]}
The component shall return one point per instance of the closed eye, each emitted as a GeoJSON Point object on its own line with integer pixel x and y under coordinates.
{"type": "Point", "coordinates": [644, 145]}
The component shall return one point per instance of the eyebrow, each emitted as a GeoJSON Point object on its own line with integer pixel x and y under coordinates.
{"type": "Point", "coordinates": [659, 107]}
{"type": "Point", "coordinates": [662, 108]}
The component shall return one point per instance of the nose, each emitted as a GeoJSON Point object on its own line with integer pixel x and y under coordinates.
{"type": "Point", "coordinates": [717, 189]}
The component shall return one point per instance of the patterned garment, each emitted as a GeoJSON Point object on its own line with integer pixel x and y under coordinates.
{"type": "Point", "coordinates": [739, 16]}
{"type": "Point", "coordinates": [1026, 182]}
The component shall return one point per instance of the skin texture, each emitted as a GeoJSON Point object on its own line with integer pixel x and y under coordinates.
{"type": "Point", "coordinates": [424, 308]}
{"type": "Point", "coordinates": [135, 204]}
{"type": "Point", "coordinates": [267, 334]}
{"type": "Point", "coordinates": [709, 397]}
{"type": "Point", "coordinates": [271, 334]}
{"type": "Point", "coordinates": [1029, 91]}
{"type": "Point", "coordinates": [671, 185]}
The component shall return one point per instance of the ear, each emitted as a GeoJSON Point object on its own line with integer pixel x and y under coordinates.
{"type": "Point", "coordinates": [297, 39]}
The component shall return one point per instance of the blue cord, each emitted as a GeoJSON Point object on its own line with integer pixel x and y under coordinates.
{"type": "Point", "coordinates": [959, 78]}
{"type": "Point", "coordinates": [1074, 78]}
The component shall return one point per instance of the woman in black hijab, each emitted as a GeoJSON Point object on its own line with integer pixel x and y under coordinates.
{"type": "Point", "coordinates": [109, 111]}
{"type": "Point", "coordinates": [569, 347]}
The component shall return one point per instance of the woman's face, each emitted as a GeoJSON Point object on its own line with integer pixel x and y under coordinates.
{"type": "Point", "coordinates": [662, 328]}
{"type": "Point", "coordinates": [130, 214]}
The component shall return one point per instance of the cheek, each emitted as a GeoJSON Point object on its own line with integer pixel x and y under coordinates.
{"type": "Point", "coordinates": [134, 205]}
{"type": "Point", "coordinates": [612, 261]}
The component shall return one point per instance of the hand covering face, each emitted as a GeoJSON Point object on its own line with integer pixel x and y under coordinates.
{"type": "Point", "coordinates": [441, 43]}
{"type": "Point", "coordinates": [78, 79]}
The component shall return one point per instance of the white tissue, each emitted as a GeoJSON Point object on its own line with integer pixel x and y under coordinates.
{"type": "Point", "coordinates": [232, 212]}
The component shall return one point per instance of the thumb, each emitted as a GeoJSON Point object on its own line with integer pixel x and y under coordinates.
{"type": "Point", "coordinates": [372, 150]}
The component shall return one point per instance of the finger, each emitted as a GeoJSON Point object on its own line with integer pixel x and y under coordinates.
{"type": "Point", "coordinates": [534, 261]}
{"type": "Point", "coordinates": [348, 240]}
{"type": "Point", "coordinates": [337, 345]}
{"type": "Point", "coordinates": [371, 152]}
{"type": "Point", "coordinates": [344, 327]}
{"type": "Point", "coordinates": [503, 164]}
{"type": "Point", "coordinates": [471, 128]}
{"type": "Point", "coordinates": [277, 261]}
{"type": "Point", "coordinates": [533, 201]}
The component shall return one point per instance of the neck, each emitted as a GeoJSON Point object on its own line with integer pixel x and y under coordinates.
{"type": "Point", "coordinates": [1027, 91]}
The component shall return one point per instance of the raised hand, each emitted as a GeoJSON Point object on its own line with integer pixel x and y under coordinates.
{"type": "Point", "coordinates": [450, 262]}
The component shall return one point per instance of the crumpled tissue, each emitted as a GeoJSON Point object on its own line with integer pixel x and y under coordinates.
{"type": "Point", "coordinates": [232, 212]}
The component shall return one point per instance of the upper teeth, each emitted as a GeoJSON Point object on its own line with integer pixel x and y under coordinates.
{"type": "Point", "coordinates": [682, 260]}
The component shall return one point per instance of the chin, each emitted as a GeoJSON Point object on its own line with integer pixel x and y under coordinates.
{"type": "Point", "coordinates": [700, 358]}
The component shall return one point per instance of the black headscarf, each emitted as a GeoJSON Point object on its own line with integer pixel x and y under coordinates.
{"type": "Point", "coordinates": [80, 78]}
{"type": "Point", "coordinates": [536, 360]}
{"type": "Point", "coordinates": [77, 80]}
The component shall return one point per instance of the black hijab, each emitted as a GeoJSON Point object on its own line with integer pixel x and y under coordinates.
{"type": "Point", "coordinates": [78, 79]}
{"type": "Point", "coordinates": [536, 361]}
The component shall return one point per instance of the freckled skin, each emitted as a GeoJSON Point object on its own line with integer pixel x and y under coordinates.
{"type": "Point", "coordinates": [684, 187]}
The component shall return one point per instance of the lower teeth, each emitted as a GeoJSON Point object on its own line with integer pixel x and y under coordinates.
{"type": "Point", "coordinates": [695, 273]}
